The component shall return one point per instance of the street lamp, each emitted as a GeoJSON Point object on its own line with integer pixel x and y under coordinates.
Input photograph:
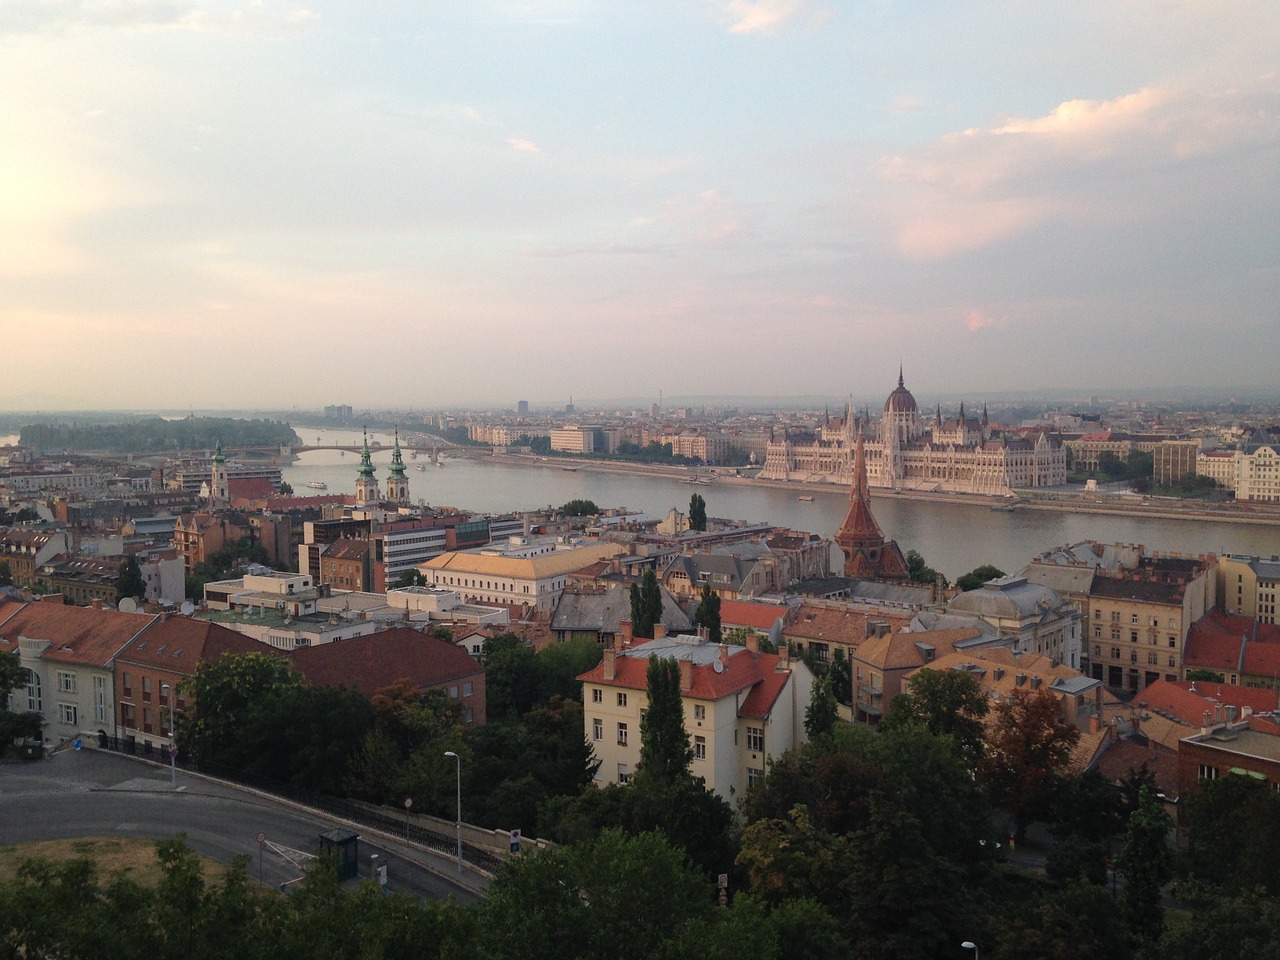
{"type": "Point", "coordinates": [458, 760]}
{"type": "Point", "coordinates": [173, 745]}
{"type": "Point", "coordinates": [970, 945]}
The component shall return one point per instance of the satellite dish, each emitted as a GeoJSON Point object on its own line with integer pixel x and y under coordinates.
{"type": "Point", "coordinates": [717, 666]}
{"type": "Point", "coordinates": [128, 605]}
{"type": "Point", "coordinates": [187, 608]}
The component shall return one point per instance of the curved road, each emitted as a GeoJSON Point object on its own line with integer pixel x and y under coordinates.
{"type": "Point", "coordinates": [93, 793]}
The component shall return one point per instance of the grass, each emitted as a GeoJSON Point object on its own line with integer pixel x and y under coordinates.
{"type": "Point", "coordinates": [113, 855]}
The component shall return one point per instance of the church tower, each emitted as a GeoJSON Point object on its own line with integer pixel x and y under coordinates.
{"type": "Point", "coordinates": [219, 488]}
{"type": "Point", "coordinates": [397, 482]}
{"type": "Point", "coordinates": [366, 484]}
{"type": "Point", "coordinates": [867, 554]}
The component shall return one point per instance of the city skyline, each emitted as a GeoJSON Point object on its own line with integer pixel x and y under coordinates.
{"type": "Point", "coordinates": [214, 206]}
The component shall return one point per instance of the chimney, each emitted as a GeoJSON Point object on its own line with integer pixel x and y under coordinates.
{"type": "Point", "coordinates": [724, 654]}
{"type": "Point", "coordinates": [704, 633]}
{"type": "Point", "coordinates": [784, 656]}
{"type": "Point", "coordinates": [659, 631]}
{"type": "Point", "coordinates": [1020, 679]}
{"type": "Point", "coordinates": [999, 673]}
{"type": "Point", "coordinates": [686, 674]}
{"type": "Point", "coordinates": [1035, 683]}
{"type": "Point", "coordinates": [610, 664]}
{"type": "Point", "coordinates": [1095, 723]}
{"type": "Point", "coordinates": [624, 636]}
{"type": "Point", "coordinates": [753, 643]}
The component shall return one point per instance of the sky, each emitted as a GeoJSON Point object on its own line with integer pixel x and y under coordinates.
{"type": "Point", "coordinates": [432, 203]}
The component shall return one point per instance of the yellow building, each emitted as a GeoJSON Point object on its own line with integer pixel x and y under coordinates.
{"type": "Point", "coordinates": [741, 708]}
{"type": "Point", "coordinates": [1247, 586]}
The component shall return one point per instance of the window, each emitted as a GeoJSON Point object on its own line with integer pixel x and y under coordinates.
{"type": "Point", "coordinates": [622, 699]}
{"type": "Point", "coordinates": [99, 699]}
{"type": "Point", "coordinates": [467, 689]}
{"type": "Point", "coordinates": [66, 682]}
{"type": "Point", "coordinates": [1133, 618]}
{"type": "Point", "coordinates": [146, 719]}
{"type": "Point", "coordinates": [699, 748]}
{"type": "Point", "coordinates": [755, 739]}
{"type": "Point", "coordinates": [820, 651]}
{"type": "Point", "coordinates": [1133, 656]}
{"type": "Point", "coordinates": [1097, 631]}
{"type": "Point", "coordinates": [67, 713]}
{"type": "Point", "coordinates": [33, 693]}
{"type": "Point", "coordinates": [597, 729]}
{"type": "Point", "coordinates": [754, 775]}
{"type": "Point", "coordinates": [1097, 650]}
{"type": "Point", "coordinates": [1133, 636]}
{"type": "Point", "coordinates": [597, 695]}
{"type": "Point", "coordinates": [468, 715]}
{"type": "Point", "coordinates": [146, 689]}
{"type": "Point", "coordinates": [1207, 772]}
{"type": "Point", "coordinates": [1151, 657]}
{"type": "Point", "coordinates": [699, 712]}
{"type": "Point", "coordinates": [1115, 653]}
{"type": "Point", "coordinates": [1173, 661]}
{"type": "Point", "coordinates": [624, 774]}
{"type": "Point", "coordinates": [622, 734]}
{"type": "Point", "coordinates": [1173, 642]}
{"type": "Point", "coordinates": [1097, 614]}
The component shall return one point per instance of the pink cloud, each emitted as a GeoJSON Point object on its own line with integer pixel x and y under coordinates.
{"type": "Point", "coordinates": [975, 320]}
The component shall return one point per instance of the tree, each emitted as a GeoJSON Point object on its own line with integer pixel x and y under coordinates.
{"type": "Point", "coordinates": [1027, 750]}
{"type": "Point", "coordinates": [697, 512]}
{"type": "Point", "coordinates": [580, 508]}
{"type": "Point", "coordinates": [820, 716]}
{"type": "Point", "coordinates": [646, 606]}
{"type": "Point", "coordinates": [920, 571]}
{"type": "Point", "coordinates": [6, 574]}
{"type": "Point", "coordinates": [1233, 834]}
{"type": "Point", "coordinates": [508, 664]}
{"type": "Point", "coordinates": [410, 578]}
{"type": "Point", "coordinates": [13, 725]}
{"type": "Point", "coordinates": [286, 488]}
{"type": "Point", "coordinates": [665, 753]}
{"type": "Point", "coordinates": [1147, 864]}
{"type": "Point", "coordinates": [224, 692]}
{"type": "Point", "coordinates": [708, 613]}
{"type": "Point", "coordinates": [944, 702]}
{"type": "Point", "coordinates": [976, 577]}
{"type": "Point", "coordinates": [130, 582]}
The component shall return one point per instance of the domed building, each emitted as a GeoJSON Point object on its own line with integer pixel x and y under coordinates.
{"type": "Point", "coordinates": [904, 451]}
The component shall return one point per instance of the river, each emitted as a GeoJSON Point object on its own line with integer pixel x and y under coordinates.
{"type": "Point", "coordinates": [952, 537]}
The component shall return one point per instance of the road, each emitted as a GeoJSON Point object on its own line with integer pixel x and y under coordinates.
{"type": "Point", "coordinates": [92, 793]}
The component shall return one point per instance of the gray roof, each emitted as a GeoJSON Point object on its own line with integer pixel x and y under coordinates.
{"type": "Point", "coordinates": [601, 612]}
{"type": "Point", "coordinates": [1009, 598]}
{"type": "Point", "coordinates": [1060, 578]}
{"type": "Point", "coordinates": [907, 594]}
{"type": "Point", "coordinates": [683, 647]}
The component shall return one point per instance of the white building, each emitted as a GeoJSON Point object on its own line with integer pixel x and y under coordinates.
{"type": "Point", "coordinates": [741, 708]}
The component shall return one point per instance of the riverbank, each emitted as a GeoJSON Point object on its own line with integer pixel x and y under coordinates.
{"type": "Point", "coordinates": [1060, 500]}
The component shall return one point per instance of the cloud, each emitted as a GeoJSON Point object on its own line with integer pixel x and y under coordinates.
{"type": "Point", "coordinates": [759, 16]}
{"type": "Point", "coordinates": [975, 320]}
{"type": "Point", "coordinates": [1085, 161]}
{"type": "Point", "coordinates": [69, 16]}
{"type": "Point", "coordinates": [523, 145]}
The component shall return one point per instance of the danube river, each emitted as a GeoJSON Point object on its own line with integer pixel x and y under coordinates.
{"type": "Point", "coordinates": [952, 537]}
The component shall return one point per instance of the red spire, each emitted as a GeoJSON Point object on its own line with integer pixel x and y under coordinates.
{"type": "Point", "coordinates": [867, 554]}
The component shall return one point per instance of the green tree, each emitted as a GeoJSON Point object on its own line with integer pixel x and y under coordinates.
{"type": "Point", "coordinates": [1147, 865]}
{"type": "Point", "coordinates": [410, 578]}
{"type": "Point", "coordinates": [976, 577]}
{"type": "Point", "coordinates": [286, 488]}
{"type": "Point", "coordinates": [665, 753]}
{"type": "Point", "coordinates": [820, 717]}
{"type": "Point", "coordinates": [15, 724]}
{"type": "Point", "coordinates": [6, 574]}
{"type": "Point", "coordinates": [646, 606]}
{"type": "Point", "coordinates": [697, 512]}
{"type": "Point", "coordinates": [708, 613]}
{"type": "Point", "coordinates": [130, 582]}
{"type": "Point", "coordinates": [508, 664]}
{"type": "Point", "coordinates": [223, 694]}
{"type": "Point", "coordinates": [1233, 834]}
{"type": "Point", "coordinates": [920, 571]}
{"type": "Point", "coordinates": [946, 703]}
{"type": "Point", "coordinates": [1027, 749]}
{"type": "Point", "coordinates": [580, 508]}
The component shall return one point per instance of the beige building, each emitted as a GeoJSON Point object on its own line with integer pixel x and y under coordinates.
{"type": "Point", "coordinates": [529, 578]}
{"type": "Point", "coordinates": [742, 708]}
{"type": "Point", "coordinates": [1172, 460]}
{"type": "Point", "coordinates": [574, 439]}
{"type": "Point", "coordinates": [1248, 586]}
{"type": "Point", "coordinates": [962, 454]}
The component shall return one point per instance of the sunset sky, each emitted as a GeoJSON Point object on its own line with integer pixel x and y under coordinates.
{"type": "Point", "coordinates": [431, 203]}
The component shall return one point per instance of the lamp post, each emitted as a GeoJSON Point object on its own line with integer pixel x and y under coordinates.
{"type": "Point", "coordinates": [970, 945]}
{"type": "Point", "coordinates": [458, 761]}
{"type": "Point", "coordinates": [173, 744]}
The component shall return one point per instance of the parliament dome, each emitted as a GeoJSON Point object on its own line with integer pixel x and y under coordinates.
{"type": "Point", "coordinates": [901, 400]}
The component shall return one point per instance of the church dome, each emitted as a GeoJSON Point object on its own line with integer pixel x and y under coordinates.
{"type": "Point", "coordinates": [901, 400]}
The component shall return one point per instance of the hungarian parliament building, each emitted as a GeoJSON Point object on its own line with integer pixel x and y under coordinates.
{"type": "Point", "coordinates": [905, 451]}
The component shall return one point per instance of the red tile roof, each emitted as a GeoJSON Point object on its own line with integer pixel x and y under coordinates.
{"type": "Point", "coordinates": [82, 635]}
{"type": "Point", "coordinates": [1221, 642]}
{"type": "Point", "coordinates": [743, 613]}
{"type": "Point", "coordinates": [1188, 701]}
{"type": "Point", "coordinates": [181, 644]}
{"type": "Point", "coordinates": [369, 663]}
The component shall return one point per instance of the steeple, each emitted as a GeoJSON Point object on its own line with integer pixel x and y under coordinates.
{"type": "Point", "coordinates": [219, 485]}
{"type": "Point", "coordinates": [397, 482]}
{"type": "Point", "coordinates": [366, 483]}
{"type": "Point", "coordinates": [867, 555]}
{"type": "Point", "coordinates": [938, 417]}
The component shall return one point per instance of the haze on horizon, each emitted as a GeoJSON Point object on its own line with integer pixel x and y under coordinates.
{"type": "Point", "coordinates": [210, 205]}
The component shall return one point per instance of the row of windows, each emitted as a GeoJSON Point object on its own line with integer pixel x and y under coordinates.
{"type": "Point", "coordinates": [1133, 655]}
{"type": "Point", "coordinates": [755, 737]}
{"type": "Point", "coordinates": [1133, 618]}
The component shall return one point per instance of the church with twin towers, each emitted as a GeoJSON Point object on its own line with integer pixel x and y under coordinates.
{"type": "Point", "coordinates": [906, 451]}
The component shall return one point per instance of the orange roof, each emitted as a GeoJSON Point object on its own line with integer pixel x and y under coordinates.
{"type": "Point", "coordinates": [743, 613]}
{"type": "Point", "coordinates": [894, 651]}
{"type": "Point", "coordinates": [838, 624]}
{"type": "Point", "coordinates": [378, 660]}
{"type": "Point", "coordinates": [742, 671]}
{"type": "Point", "coordinates": [82, 635]}
{"type": "Point", "coordinates": [181, 644]}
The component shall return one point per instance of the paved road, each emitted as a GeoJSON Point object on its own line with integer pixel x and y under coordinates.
{"type": "Point", "coordinates": [99, 794]}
